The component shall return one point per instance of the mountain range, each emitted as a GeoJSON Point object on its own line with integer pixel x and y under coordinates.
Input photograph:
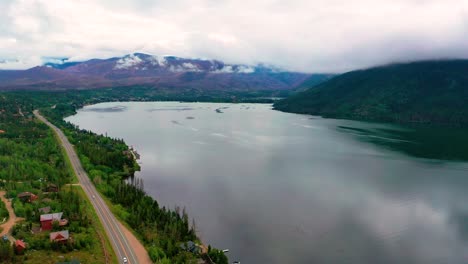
{"type": "Point", "coordinates": [157, 71]}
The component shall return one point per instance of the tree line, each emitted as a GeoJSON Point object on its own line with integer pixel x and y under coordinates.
{"type": "Point", "coordinates": [111, 168]}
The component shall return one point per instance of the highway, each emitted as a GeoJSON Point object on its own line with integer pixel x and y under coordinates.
{"type": "Point", "coordinates": [114, 231]}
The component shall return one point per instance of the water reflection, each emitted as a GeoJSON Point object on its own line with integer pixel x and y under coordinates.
{"type": "Point", "coordinates": [441, 143]}
{"type": "Point", "coordinates": [117, 108]}
{"type": "Point", "coordinates": [283, 188]}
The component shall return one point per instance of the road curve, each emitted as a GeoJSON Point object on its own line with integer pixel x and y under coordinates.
{"type": "Point", "coordinates": [114, 230]}
{"type": "Point", "coordinates": [11, 218]}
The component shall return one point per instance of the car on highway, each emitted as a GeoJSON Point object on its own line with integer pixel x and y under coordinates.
{"type": "Point", "coordinates": [125, 260]}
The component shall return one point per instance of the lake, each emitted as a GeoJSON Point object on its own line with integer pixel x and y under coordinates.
{"type": "Point", "coordinates": [274, 187]}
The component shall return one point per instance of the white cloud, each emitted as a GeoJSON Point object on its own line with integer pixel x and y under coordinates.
{"type": "Point", "coordinates": [20, 63]}
{"type": "Point", "coordinates": [305, 35]}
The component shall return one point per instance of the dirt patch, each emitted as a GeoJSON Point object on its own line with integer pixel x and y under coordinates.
{"type": "Point", "coordinates": [12, 217]}
{"type": "Point", "coordinates": [139, 249]}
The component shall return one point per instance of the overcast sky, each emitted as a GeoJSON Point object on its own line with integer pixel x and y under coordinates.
{"type": "Point", "coordinates": [301, 35]}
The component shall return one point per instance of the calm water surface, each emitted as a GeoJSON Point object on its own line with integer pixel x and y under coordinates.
{"type": "Point", "coordinates": [283, 188]}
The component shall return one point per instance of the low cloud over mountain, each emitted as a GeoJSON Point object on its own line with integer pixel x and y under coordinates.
{"type": "Point", "coordinates": [157, 71]}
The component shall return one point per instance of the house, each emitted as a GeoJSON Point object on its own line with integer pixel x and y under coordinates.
{"type": "Point", "coordinates": [48, 219]}
{"type": "Point", "coordinates": [59, 237]}
{"type": "Point", "coordinates": [20, 246]}
{"type": "Point", "coordinates": [191, 247]}
{"type": "Point", "coordinates": [27, 197]}
{"type": "Point", "coordinates": [44, 210]}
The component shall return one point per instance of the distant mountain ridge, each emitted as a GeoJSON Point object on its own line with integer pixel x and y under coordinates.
{"type": "Point", "coordinates": [434, 92]}
{"type": "Point", "coordinates": [148, 63]}
{"type": "Point", "coordinates": [161, 71]}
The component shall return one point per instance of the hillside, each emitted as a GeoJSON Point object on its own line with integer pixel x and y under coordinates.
{"type": "Point", "coordinates": [312, 81]}
{"type": "Point", "coordinates": [434, 92]}
{"type": "Point", "coordinates": [155, 71]}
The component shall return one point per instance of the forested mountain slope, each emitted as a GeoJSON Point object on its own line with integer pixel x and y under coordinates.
{"type": "Point", "coordinates": [434, 92]}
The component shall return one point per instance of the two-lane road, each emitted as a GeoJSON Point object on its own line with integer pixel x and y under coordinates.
{"type": "Point", "coordinates": [114, 230]}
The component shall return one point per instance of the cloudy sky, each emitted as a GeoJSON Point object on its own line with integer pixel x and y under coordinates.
{"type": "Point", "coordinates": [302, 35]}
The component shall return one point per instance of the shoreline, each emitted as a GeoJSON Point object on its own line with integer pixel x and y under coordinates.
{"type": "Point", "coordinates": [132, 153]}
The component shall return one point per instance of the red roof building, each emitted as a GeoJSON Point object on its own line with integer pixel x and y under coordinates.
{"type": "Point", "coordinates": [61, 236]}
{"type": "Point", "coordinates": [48, 219]}
{"type": "Point", "coordinates": [27, 197]}
{"type": "Point", "coordinates": [20, 246]}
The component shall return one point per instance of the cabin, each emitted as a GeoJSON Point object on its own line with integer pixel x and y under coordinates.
{"type": "Point", "coordinates": [20, 246]}
{"type": "Point", "coordinates": [27, 197]}
{"type": "Point", "coordinates": [44, 210]}
{"type": "Point", "coordinates": [48, 219]}
{"type": "Point", "coordinates": [59, 237]}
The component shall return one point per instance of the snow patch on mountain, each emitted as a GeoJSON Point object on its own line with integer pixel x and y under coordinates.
{"type": "Point", "coordinates": [176, 68]}
{"type": "Point", "coordinates": [245, 69]}
{"type": "Point", "coordinates": [190, 67]}
{"type": "Point", "coordinates": [225, 69]}
{"type": "Point", "coordinates": [184, 67]}
{"type": "Point", "coordinates": [128, 62]}
{"type": "Point", "coordinates": [159, 60]}
{"type": "Point", "coordinates": [235, 69]}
